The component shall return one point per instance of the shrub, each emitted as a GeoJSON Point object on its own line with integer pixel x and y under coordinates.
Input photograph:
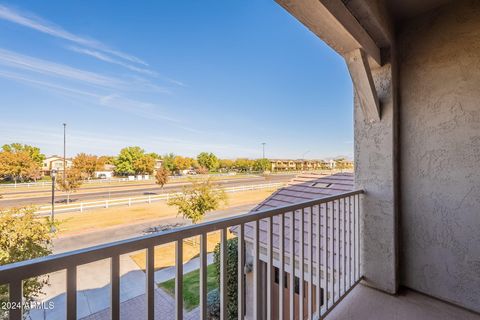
{"type": "Point", "coordinates": [231, 274]}
{"type": "Point", "coordinates": [213, 305]}
{"type": "Point", "coordinates": [24, 236]}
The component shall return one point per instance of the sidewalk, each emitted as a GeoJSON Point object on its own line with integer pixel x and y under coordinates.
{"type": "Point", "coordinates": [93, 296]}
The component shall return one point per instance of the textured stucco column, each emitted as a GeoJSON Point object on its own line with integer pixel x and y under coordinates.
{"type": "Point", "coordinates": [375, 172]}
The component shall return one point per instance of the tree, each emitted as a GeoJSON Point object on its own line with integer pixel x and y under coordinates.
{"type": "Point", "coordinates": [182, 163]}
{"type": "Point", "coordinates": [208, 160]}
{"type": "Point", "coordinates": [226, 164]}
{"type": "Point", "coordinates": [24, 236]}
{"type": "Point", "coordinates": [154, 155]}
{"type": "Point", "coordinates": [73, 181]}
{"type": "Point", "coordinates": [18, 165]}
{"type": "Point", "coordinates": [33, 152]}
{"type": "Point", "coordinates": [244, 165]}
{"type": "Point", "coordinates": [161, 176]}
{"type": "Point", "coordinates": [168, 162]}
{"type": "Point", "coordinates": [261, 165]}
{"type": "Point", "coordinates": [103, 160]}
{"type": "Point", "coordinates": [198, 199]}
{"type": "Point", "coordinates": [87, 164]}
{"type": "Point", "coordinates": [144, 165]}
{"type": "Point", "coordinates": [125, 162]}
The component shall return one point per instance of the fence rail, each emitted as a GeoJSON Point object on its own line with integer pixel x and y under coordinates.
{"type": "Point", "coordinates": [324, 255]}
{"type": "Point", "coordinates": [81, 206]}
{"type": "Point", "coordinates": [110, 180]}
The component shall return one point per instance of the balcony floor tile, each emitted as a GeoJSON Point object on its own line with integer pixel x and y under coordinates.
{"type": "Point", "coordinates": [365, 303]}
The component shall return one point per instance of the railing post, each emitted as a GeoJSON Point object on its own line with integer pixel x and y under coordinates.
{"type": "Point", "coordinates": [150, 285]}
{"type": "Point", "coordinates": [203, 276]}
{"type": "Point", "coordinates": [223, 274]}
{"type": "Point", "coordinates": [15, 291]}
{"type": "Point", "coordinates": [81, 207]}
{"type": "Point", "coordinates": [281, 273]}
{"type": "Point", "coordinates": [257, 315]}
{"type": "Point", "coordinates": [291, 296]}
{"type": "Point", "coordinates": [269, 269]}
{"type": "Point", "coordinates": [106, 204]}
{"type": "Point", "coordinates": [115, 283]}
{"type": "Point", "coordinates": [241, 267]}
{"type": "Point", "coordinates": [72, 293]}
{"type": "Point", "coordinates": [178, 280]}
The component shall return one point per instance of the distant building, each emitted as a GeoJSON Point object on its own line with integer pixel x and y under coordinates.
{"type": "Point", "coordinates": [55, 162]}
{"type": "Point", "coordinates": [296, 165]}
{"type": "Point", "coordinates": [158, 163]}
{"type": "Point", "coordinates": [282, 165]}
{"type": "Point", "coordinates": [331, 164]}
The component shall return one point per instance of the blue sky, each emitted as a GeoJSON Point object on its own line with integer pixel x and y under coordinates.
{"type": "Point", "coordinates": [171, 76]}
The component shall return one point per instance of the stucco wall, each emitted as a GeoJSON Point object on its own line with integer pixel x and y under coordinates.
{"type": "Point", "coordinates": [375, 172]}
{"type": "Point", "coordinates": [440, 153]}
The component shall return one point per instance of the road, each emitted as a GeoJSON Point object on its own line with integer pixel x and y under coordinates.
{"type": "Point", "coordinates": [117, 233]}
{"type": "Point", "coordinates": [103, 193]}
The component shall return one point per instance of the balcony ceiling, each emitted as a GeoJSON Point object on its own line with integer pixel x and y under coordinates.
{"type": "Point", "coordinates": [404, 9]}
{"type": "Point", "coordinates": [401, 9]}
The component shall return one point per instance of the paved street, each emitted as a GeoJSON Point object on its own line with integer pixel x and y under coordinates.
{"type": "Point", "coordinates": [103, 193]}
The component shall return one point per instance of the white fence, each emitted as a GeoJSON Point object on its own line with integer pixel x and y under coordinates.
{"type": "Point", "coordinates": [111, 180]}
{"type": "Point", "coordinates": [81, 206]}
{"type": "Point", "coordinates": [49, 183]}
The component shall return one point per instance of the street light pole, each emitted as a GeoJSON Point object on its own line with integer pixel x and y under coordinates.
{"type": "Point", "coordinates": [64, 151]}
{"type": "Point", "coordinates": [263, 149]}
{"type": "Point", "coordinates": [53, 175]}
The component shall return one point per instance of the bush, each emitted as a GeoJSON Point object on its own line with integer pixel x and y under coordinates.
{"type": "Point", "coordinates": [213, 305]}
{"type": "Point", "coordinates": [24, 236]}
{"type": "Point", "coordinates": [232, 276]}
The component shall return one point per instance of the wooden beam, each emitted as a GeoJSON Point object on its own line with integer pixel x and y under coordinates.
{"type": "Point", "coordinates": [361, 74]}
{"type": "Point", "coordinates": [332, 22]}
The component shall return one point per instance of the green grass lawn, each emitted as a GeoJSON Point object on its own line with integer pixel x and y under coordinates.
{"type": "Point", "coordinates": [191, 286]}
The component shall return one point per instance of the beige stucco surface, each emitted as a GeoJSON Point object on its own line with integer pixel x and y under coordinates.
{"type": "Point", "coordinates": [375, 167]}
{"type": "Point", "coordinates": [440, 153]}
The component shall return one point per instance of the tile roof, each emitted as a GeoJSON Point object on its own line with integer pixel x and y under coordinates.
{"type": "Point", "coordinates": [304, 187]}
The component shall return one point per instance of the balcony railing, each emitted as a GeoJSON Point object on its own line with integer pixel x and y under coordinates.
{"type": "Point", "coordinates": [326, 261]}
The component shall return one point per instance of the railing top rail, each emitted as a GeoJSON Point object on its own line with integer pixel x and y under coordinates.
{"type": "Point", "coordinates": [39, 266]}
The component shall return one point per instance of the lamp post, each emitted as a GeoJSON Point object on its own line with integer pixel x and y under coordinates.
{"type": "Point", "coordinates": [64, 151]}
{"type": "Point", "coordinates": [263, 149]}
{"type": "Point", "coordinates": [53, 175]}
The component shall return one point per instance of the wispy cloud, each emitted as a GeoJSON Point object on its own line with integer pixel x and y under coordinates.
{"type": "Point", "coordinates": [114, 101]}
{"type": "Point", "coordinates": [19, 61]}
{"type": "Point", "coordinates": [101, 56]}
{"type": "Point", "coordinates": [33, 22]}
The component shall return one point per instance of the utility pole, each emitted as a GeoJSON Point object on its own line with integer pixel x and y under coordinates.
{"type": "Point", "coordinates": [64, 152]}
{"type": "Point", "coordinates": [53, 175]}
{"type": "Point", "coordinates": [263, 147]}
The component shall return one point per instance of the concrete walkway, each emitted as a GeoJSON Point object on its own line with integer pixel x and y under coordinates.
{"type": "Point", "coordinates": [135, 309]}
{"type": "Point", "coordinates": [93, 295]}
